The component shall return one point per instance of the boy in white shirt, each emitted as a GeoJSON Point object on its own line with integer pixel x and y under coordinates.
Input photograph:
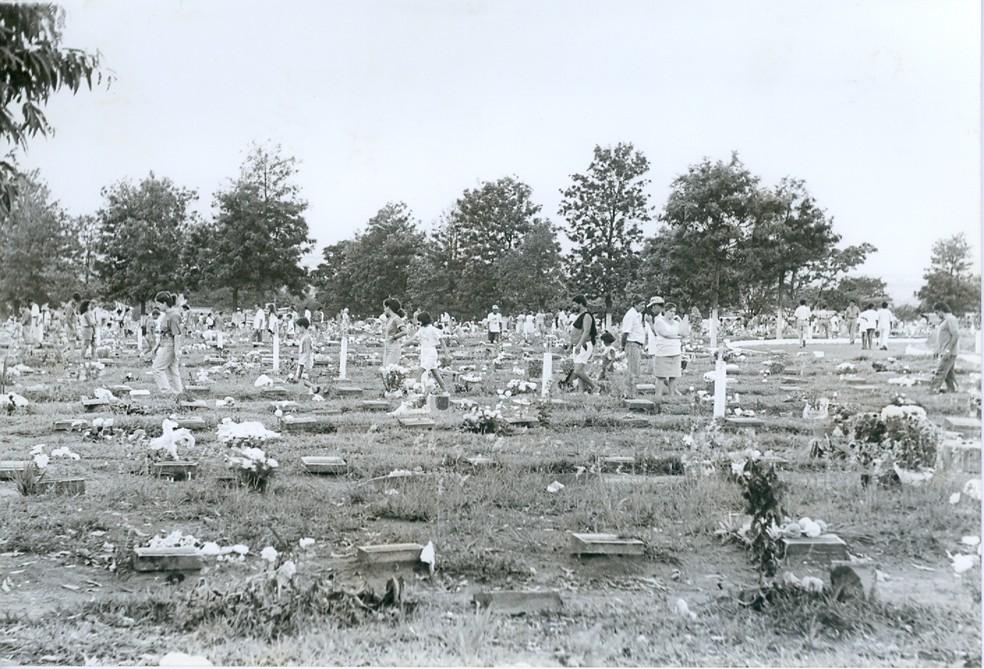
{"type": "Point", "coordinates": [885, 318]}
{"type": "Point", "coordinates": [494, 322]}
{"type": "Point", "coordinates": [802, 315]}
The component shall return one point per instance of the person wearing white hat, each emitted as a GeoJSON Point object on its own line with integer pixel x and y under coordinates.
{"type": "Point", "coordinates": [494, 323]}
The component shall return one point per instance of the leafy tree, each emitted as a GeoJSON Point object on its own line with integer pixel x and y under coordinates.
{"type": "Point", "coordinates": [948, 277]}
{"type": "Point", "coordinates": [711, 211]}
{"type": "Point", "coordinates": [861, 289]}
{"type": "Point", "coordinates": [37, 247]}
{"type": "Point", "coordinates": [605, 208]}
{"type": "Point", "coordinates": [33, 65]}
{"type": "Point", "coordinates": [435, 276]}
{"type": "Point", "coordinates": [142, 231]}
{"type": "Point", "coordinates": [826, 271]}
{"type": "Point", "coordinates": [491, 220]}
{"type": "Point", "coordinates": [789, 236]}
{"type": "Point", "coordinates": [362, 272]}
{"type": "Point", "coordinates": [86, 231]}
{"type": "Point", "coordinates": [531, 276]}
{"type": "Point", "coordinates": [260, 234]}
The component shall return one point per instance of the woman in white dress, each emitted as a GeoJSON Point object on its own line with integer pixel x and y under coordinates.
{"type": "Point", "coordinates": [665, 345]}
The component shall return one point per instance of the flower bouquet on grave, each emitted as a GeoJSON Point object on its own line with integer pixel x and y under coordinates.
{"type": "Point", "coordinates": [484, 420]}
{"type": "Point", "coordinates": [253, 466]}
{"type": "Point", "coordinates": [393, 378]}
{"type": "Point", "coordinates": [518, 387]}
{"type": "Point", "coordinates": [248, 433]}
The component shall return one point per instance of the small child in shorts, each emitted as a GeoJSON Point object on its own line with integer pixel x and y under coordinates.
{"type": "Point", "coordinates": [305, 355]}
{"type": "Point", "coordinates": [608, 355]}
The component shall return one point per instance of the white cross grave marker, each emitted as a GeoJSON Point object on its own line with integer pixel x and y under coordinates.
{"type": "Point", "coordinates": [343, 359]}
{"type": "Point", "coordinates": [276, 352]}
{"type": "Point", "coordinates": [720, 381]}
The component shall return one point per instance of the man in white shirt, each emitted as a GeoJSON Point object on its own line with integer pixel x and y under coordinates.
{"type": "Point", "coordinates": [494, 324]}
{"type": "Point", "coordinates": [802, 316]}
{"type": "Point", "coordinates": [633, 339]}
{"type": "Point", "coordinates": [259, 319]}
{"type": "Point", "coordinates": [885, 318]}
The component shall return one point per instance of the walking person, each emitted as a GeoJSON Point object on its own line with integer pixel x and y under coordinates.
{"type": "Point", "coordinates": [166, 367]}
{"type": "Point", "coordinates": [885, 318]}
{"type": "Point", "coordinates": [259, 321]}
{"type": "Point", "coordinates": [633, 340]}
{"type": "Point", "coordinates": [430, 338]}
{"type": "Point", "coordinates": [584, 333]}
{"type": "Point", "coordinates": [802, 316]}
{"type": "Point", "coordinates": [851, 316]}
{"type": "Point", "coordinates": [867, 323]}
{"type": "Point", "coordinates": [394, 330]}
{"type": "Point", "coordinates": [87, 328]}
{"type": "Point", "coordinates": [947, 341]}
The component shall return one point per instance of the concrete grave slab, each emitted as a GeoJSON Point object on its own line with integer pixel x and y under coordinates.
{"type": "Point", "coordinates": [605, 544]}
{"type": "Point", "coordinates": [178, 558]}
{"type": "Point", "coordinates": [330, 464]}
{"type": "Point", "coordinates": [389, 553]}
{"type": "Point", "coordinates": [193, 404]}
{"type": "Point", "coordinates": [961, 456]}
{"type": "Point", "coordinates": [416, 422]}
{"type": "Point", "coordinates": [76, 425]}
{"type": "Point", "coordinates": [301, 423]}
{"type": "Point", "coordinates": [9, 469]}
{"type": "Point", "coordinates": [176, 470]}
{"type": "Point", "coordinates": [640, 405]}
{"type": "Point", "coordinates": [347, 391]}
{"type": "Point", "coordinates": [965, 425]}
{"type": "Point", "coordinates": [63, 486]}
{"type": "Point", "coordinates": [375, 405]}
{"type": "Point", "coordinates": [823, 547]}
{"type": "Point", "coordinates": [742, 421]}
{"type": "Point", "coordinates": [513, 602]}
{"type": "Point", "coordinates": [191, 423]}
{"type": "Point", "coordinates": [634, 421]}
{"type": "Point", "coordinates": [480, 461]}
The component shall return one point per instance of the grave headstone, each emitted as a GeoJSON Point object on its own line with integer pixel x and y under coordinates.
{"type": "Point", "coordinates": [605, 544]}
{"type": "Point", "coordinates": [961, 456]}
{"type": "Point", "coordinates": [276, 353]}
{"type": "Point", "coordinates": [720, 384]}
{"type": "Point", "coordinates": [343, 360]}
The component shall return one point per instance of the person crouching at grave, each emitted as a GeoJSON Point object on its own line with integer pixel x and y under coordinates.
{"type": "Point", "coordinates": [608, 356]}
{"type": "Point", "coordinates": [166, 367]}
{"type": "Point", "coordinates": [429, 338]}
{"type": "Point", "coordinates": [394, 330]}
{"type": "Point", "coordinates": [305, 355]}
{"type": "Point", "coordinates": [584, 333]}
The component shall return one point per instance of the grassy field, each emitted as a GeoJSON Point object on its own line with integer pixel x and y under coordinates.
{"type": "Point", "coordinates": [67, 596]}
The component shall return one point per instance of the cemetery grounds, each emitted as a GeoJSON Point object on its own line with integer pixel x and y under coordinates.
{"type": "Point", "coordinates": [69, 593]}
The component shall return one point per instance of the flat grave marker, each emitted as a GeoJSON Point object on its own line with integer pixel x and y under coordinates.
{"type": "Point", "coordinates": [965, 425]}
{"type": "Point", "coordinates": [825, 546]}
{"type": "Point", "coordinates": [9, 469]}
{"type": "Point", "coordinates": [522, 421]}
{"type": "Point", "coordinates": [961, 456]}
{"type": "Point", "coordinates": [641, 405]}
{"type": "Point", "coordinates": [514, 602]}
{"type": "Point", "coordinates": [743, 421]}
{"type": "Point", "coordinates": [390, 553]}
{"type": "Point", "coordinates": [190, 423]}
{"type": "Point", "coordinates": [293, 423]}
{"type": "Point", "coordinates": [176, 470]}
{"type": "Point", "coordinates": [193, 404]}
{"type": "Point", "coordinates": [348, 391]}
{"type": "Point", "coordinates": [634, 421]}
{"type": "Point", "coordinates": [71, 425]}
{"type": "Point", "coordinates": [93, 404]}
{"type": "Point", "coordinates": [331, 464]}
{"type": "Point", "coordinates": [63, 486]}
{"type": "Point", "coordinates": [416, 422]}
{"type": "Point", "coordinates": [177, 558]}
{"type": "Point", "coordinates": [480, 461]}
{"type": "Point", "coordinates": [605, 544]}
{"type": "Point", "coordinates": [274, 391]}
{"type": "Point", "coordinates": [375, 405]}
{"type": "Point", "coordinates": [197, 388]}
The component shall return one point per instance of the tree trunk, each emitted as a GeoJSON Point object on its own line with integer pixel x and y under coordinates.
{"type": "Point", "coordinates": [235, 298]}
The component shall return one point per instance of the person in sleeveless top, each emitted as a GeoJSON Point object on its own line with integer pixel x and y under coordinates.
{"type": "Point", "coordinates": [394, 330]}
{"type": "Point", "coordinates": [584, 333]}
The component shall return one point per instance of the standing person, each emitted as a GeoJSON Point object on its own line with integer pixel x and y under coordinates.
{"type": "Point", "coordinates": [430, 338]}
{"type": "Point", "coordinates": [494, 324]}
{"type": "Point", "coordinates": [584, 333]}
{"type": "Point", "coordinates": [867, 322]}
{"type": "Point", "coordinates": [802, 316]}
{"type": "Point", "coordinates": [633, 339]}
{"type": "Point", "coordinates": [667, 346]}
{"type": "Point", "coordinates": [885, 318]}
{"type": "Point", "coordinates": [259, 322]}
{"type": "Point", "coordinates": [273, 323]}
{"type": "Point", "coordinates": [541, 323]}
{"type": "Point", "coordinates": [529, 327]}
{"type": "Point", "coordinates": [394, 330]}
{"type": "Point", "coordinates": [947, 342]}
{"type": "Point", "coordinates": [87, 328]}
{"type": "Point", "coordinates": [166, 367]}
{"type": "Point", "coordinates": [851, 316]}
{"type": "Point", "coordinates": [305, 356]}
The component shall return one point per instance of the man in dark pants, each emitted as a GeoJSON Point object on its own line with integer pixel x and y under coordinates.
{"type": "Point", "coordinates": [946, 350]}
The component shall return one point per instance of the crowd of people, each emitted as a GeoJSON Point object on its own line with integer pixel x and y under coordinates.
{"type": "Point", "coordinates": [649, 340]}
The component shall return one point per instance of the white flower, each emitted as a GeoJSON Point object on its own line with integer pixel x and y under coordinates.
{"type": "Point", "coordinates": [287, 570]}
{"type": "Point", "coordinates": [64, 452]}
{"type": "Point", "coordinates": [306, 542]}
{"type": "Point", "coordinates": [241, 549]}
{"type": "Point", "coordinates": [269, 554]}
{"type": "Point", "coordinates": [272, 464]}
{"type": "Point", "coordinates": [41, 460]}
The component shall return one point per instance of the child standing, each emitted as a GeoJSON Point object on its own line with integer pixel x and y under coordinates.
{"type": "Point", "coordinates": [608, 355]}
{"type": "Point", "coordinates": [429, 338]}
{"type": "Point", "coordinates": [305, 355]}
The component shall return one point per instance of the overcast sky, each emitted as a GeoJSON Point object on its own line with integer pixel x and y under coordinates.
{"type": "Point", "coordinates": [874, 103]}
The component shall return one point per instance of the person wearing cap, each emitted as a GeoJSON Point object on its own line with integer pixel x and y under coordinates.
{"type": "Point", "coordinates": [666, 345]}
{"type": "Point", "coordinates": [633, 340]}
{"type": "Point", "coordinates": [494, 323]}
